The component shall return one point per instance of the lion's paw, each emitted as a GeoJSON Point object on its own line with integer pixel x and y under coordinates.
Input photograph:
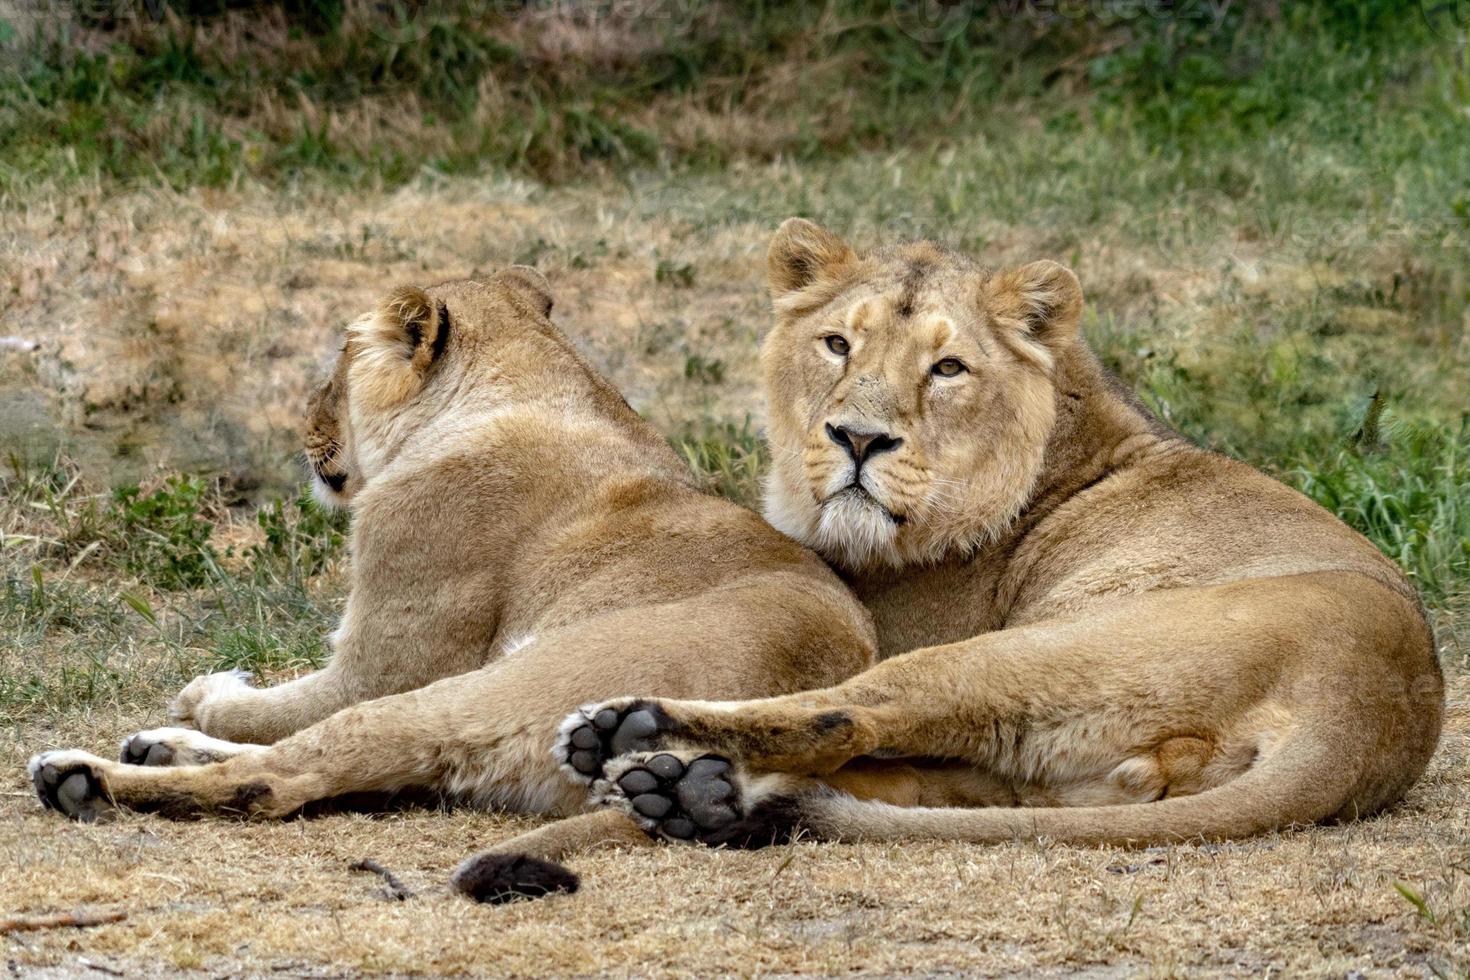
{"type": "Point", "coordinates": [595, 733]}
{"type": "Point", "coordinates": [676, 795]}
{"type": "Point", "coordinates": [70, 782]}
{"type": "Point", "coordinates": [187, 708]}
{"type": "Point", "coordinates": [175, 747]}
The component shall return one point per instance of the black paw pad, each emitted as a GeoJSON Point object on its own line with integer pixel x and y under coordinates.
{"type": "Point", "coordinates": [652, 805]}
{"type": "Point", "coordinates": [632, 735]}
{"type": "Point", "coordinates": [73, 791]}
{"type": "Point", "coordinates": [707, 794]}
{"type": "Point", "coordinates": [638, 781]}
{"type": "Point", "coordinates": [138, 752]}
{"type": "Point", "coordinates": [678, 827]}
{"type": "Point", "coordinates": [684, 801]}
{"type": "Point", "coordinates": [775, 820]}
{"type": "Point", "coordinates": [497, 878]}
{"type": "Point", "coordinates": [586, 761]}
{"type": "Point", "coordinates": [612, 732]}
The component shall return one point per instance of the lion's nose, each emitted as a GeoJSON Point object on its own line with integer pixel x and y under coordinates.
{"type": "Point", "coordinates": [861, 445]}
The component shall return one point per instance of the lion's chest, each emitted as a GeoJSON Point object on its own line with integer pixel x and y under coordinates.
{"type": "Point", "coordinates": [931, 606]}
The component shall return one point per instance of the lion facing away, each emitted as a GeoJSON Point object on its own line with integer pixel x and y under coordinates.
{"type": "Point", "coordinates": [521, 541]}
{"type": "Point", "coordinates": [1093, 630]}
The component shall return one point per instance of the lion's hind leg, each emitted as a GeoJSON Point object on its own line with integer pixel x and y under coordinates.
{"type": "Point", "coordinates": [692, 795]}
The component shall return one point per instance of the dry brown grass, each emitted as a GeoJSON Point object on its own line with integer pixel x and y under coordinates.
{"type": "Point", "coordinates": [278, 899]}
{"type": "Point", "coordinates": [185, 330]}
{"type": "Point", "coordinates": [181, 330]}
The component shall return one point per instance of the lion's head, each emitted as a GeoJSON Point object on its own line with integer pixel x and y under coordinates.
{"type": "Point", "coordinates": [910, 394]}
{"type": "Point", "coordinates": [418, 357]}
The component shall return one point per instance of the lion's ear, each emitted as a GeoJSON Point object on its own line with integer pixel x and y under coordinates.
{"type": "Point", "coordinates": [802, 253]}
{"type": "Point", "coordinates": [1041, 302]}
{"type": "Point", "coordinates": [530, 285]}
{"type": "Point", "coordinates": [397, 344]}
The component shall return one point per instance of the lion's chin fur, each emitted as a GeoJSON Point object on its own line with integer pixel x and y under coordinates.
{"type": "Point", "coordinates": [850, 529]}
{"type": "Point", "coordinates": [325, 496]}
{"type": "Point", "coordinates": [854, 531]}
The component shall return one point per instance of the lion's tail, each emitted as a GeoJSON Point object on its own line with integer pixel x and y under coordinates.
{"type": "Point", "coordinates": [1314, 775]}
{"type": "Point", "coordinates": [527, 866]}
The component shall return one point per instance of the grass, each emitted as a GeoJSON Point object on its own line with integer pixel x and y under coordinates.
{"type": "Point", "coordinates": [1268, 215]}
{"type": "Point", "coordinates": [267, 899]}
{"type": "Point", "coordinates": [729, 458]}
{"type": "Point", "coordinates": [99, 583]}
{"type": "Point", "coordinates": [378, 95]}
{"type": "Point", "coordinates": [1409, 498]}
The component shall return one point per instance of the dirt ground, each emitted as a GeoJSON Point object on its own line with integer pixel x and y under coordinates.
{"type": "Point", "coordinates": [278, 900]}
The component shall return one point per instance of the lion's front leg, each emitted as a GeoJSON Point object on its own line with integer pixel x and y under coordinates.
{"type": "Point", "coordinates": [950, 702]}
{"type": "Point", "coordinates": [182, 774]}
{"type": "Point", "coordinates": [475, 736]}
{"type": "Point", "coordinates": [88, 788]}
{"type": "Point", "coordinates": [342, 756]}
{"type": "Point", "coordinates": [226, 706]}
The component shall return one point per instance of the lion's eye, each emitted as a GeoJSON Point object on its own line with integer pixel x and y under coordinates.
{"type": "Point", "coordinates": [837, 344]}
{"type": "Point", "coordinates": [949, 367]}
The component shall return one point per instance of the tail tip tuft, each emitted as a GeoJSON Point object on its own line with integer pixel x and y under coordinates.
{"type": "Point", "coordinates": [495, 878]}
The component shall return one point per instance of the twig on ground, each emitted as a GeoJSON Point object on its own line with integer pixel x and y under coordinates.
{"type": "Point", "coordinates": [59, 920]}
{"type": "Point", "coordinates": [396, 889]}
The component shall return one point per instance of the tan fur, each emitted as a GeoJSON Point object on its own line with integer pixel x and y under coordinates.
{"type": "Point", "coordinates": [522, 541]}
{"type": "Point", "coordinates": [1108, 633]}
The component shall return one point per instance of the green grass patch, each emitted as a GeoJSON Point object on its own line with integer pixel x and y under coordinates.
{"type": "Point", "coordinates": [1410, 496]}
{"type": "Point", "coordinates": [728, 458]}
{"type": "Point", "coordinates": [110, 596]}
{"type": "Point", "coordinates": [162, 536]}
{"type": "Point", "coordinates": [211, 94]}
